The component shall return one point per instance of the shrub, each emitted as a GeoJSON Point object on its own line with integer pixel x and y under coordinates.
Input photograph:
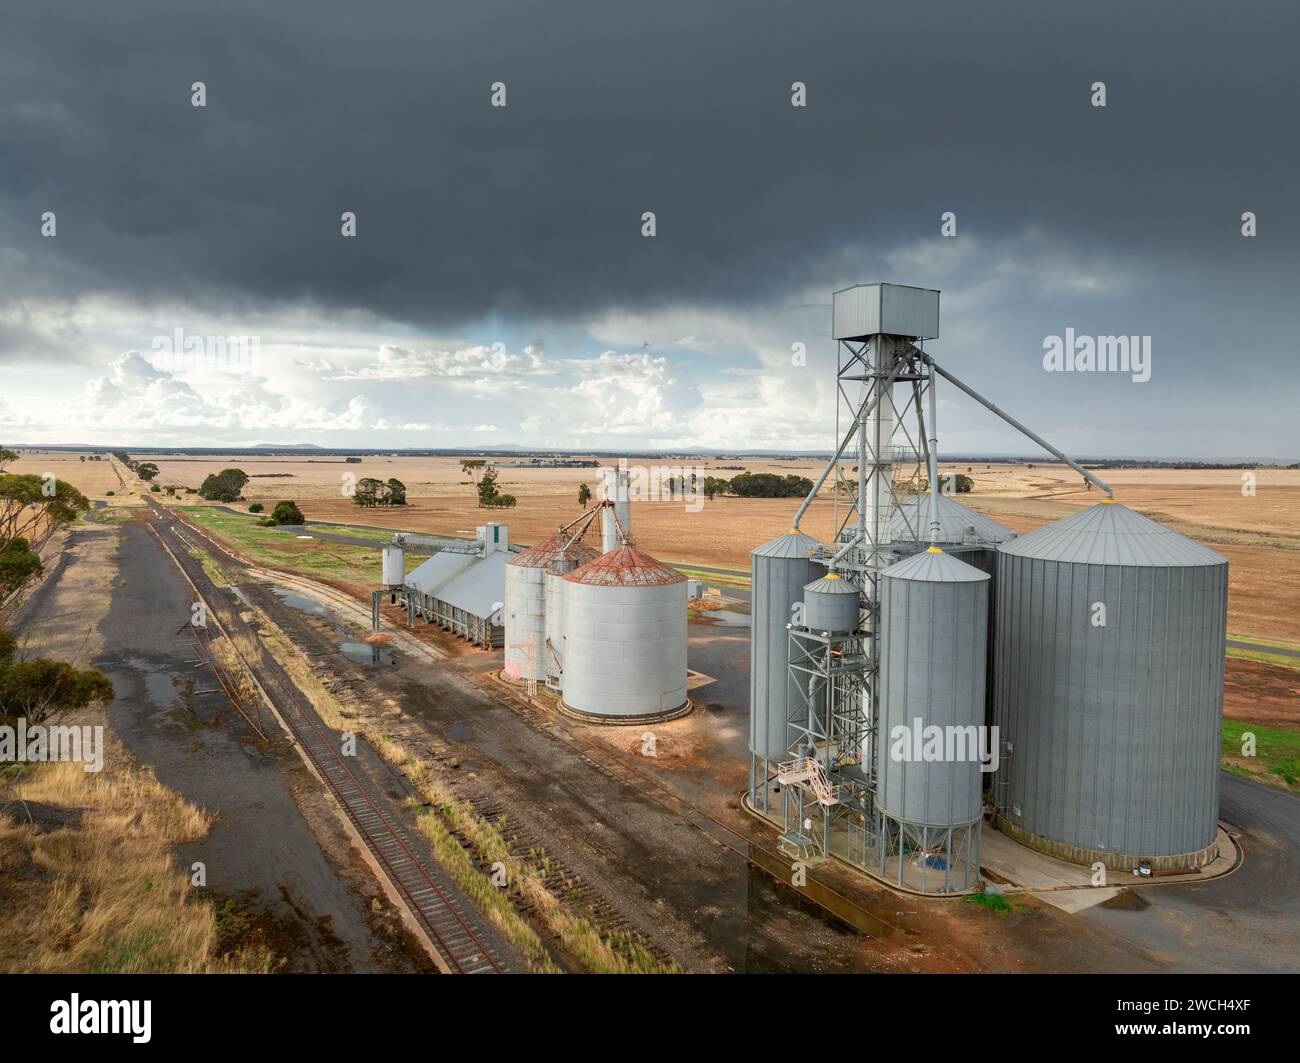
{"type": "Point", "coordinates": [287, 513]}
{"type": "Point", "coordinates": [256, 507]}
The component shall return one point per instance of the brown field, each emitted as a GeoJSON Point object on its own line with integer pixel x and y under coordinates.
{"type": "Point", "coordinates": [92, 478]}
{"type": "Point", "coordinates": [1260, 534]}
{"type": "Point", "coordinates": [1261, 693]}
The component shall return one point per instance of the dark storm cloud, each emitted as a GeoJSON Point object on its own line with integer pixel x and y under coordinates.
{"type": "Point", "coordinates": [680, 108]}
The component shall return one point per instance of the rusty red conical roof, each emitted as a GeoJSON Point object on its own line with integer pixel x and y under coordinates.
{"type": "Point", "coordinates": [625, 566]}
{"type": "Point", "coordinates": [556, 548]}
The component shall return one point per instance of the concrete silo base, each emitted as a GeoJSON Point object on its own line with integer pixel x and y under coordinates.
{"type": "Point", "coordinates": [683, 709]}
{"type": "Point", "coordinates": [1114, 861]}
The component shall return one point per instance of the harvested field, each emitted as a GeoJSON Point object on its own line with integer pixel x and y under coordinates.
{"type": "Point", "coordinates": [1259, 533]}
{"type": "Point", "coordinates": [92, 478]}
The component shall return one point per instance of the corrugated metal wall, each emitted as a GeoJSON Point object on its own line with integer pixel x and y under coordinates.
{"type": "Point", "coordinates": [1115, 730]}
{"type": "Point", "coordinates": [525, 622]}
{"type": "Point", "coordinates": [933, 653]}
{"type": "Point", "coordinates": [778, 582]}
{"type": "Point", "coordinates": [624, 648]}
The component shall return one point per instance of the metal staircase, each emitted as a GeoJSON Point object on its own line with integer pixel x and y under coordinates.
{"type": "Point", "coordinates": [809, 774]}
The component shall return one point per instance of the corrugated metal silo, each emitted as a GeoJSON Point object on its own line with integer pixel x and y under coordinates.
{"type": "Point", "coordinates": [1113, 728]}
{"type": "Point", "coordinates": [576, 554]}
{"type": "Point", "coordinates": [780, 570]}
{"type": "Point", "coordinates": [933, 636]}
{"type": "Point", "coordinates": [625, 638]}
{"type": "Point", "coordinates": [975, 534]}
{"type": "Point", "coordinates": [910, 522]}
{"type": "Point", "coordinates": [831, 604]}
{"type": "Point", "coordinates": [526, 652]}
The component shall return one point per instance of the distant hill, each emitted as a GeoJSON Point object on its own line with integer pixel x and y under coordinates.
{"type": "Point", "coordinates": [286, 446]}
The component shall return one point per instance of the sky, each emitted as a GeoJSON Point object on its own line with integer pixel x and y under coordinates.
{"type": "Point", "coordinates": [198, 290]}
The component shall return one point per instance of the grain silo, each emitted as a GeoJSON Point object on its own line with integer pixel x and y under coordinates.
{"type": "Point", "coordinates": [570, 556]}
{"type": "Point", "coordinates": [779, 570]}
{"type": "Point", "coordinates": [525, 612]}
{"type": "Point", "coordinates": [831, 605]}
{"type": "Point", "coordinates": [964, 532]}
{"type": "Point", "coordinates": [958, 524]}
{"type": "Point", "coordinates": [625, 639]}
{"type": "Point", "coordinates": [393, 565]}
{"type": "Point", "coordinates": [1109, 695]}
{"type": "Point", "coordinates": [932, 646]}
{"type": "Point", "coordinates": [531, 631]}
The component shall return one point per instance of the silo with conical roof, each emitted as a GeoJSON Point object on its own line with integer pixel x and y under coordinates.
{"type": "Point", "coordinates": [832, 605]}
{"type": "Point", "coordinates": [958, 524]}
{"type": "Point", "coordinates": [933, 633]}
{"type": "Point", "coordinates": [527, 653]}
{"type": "Point", "coordinates": [780, 570]}
{"type": "Point", "coordinates": [625, 639]}
{"type": "Point", "coordinates": [1109, 694]}
{"type": "Point", "coordinates": [968, 535]}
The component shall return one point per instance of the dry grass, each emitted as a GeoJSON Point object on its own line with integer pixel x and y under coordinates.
{"type": "Point", "coordinates": [598, 951]}
{"type": "Point", "coordinates": [579, 935]}
{"type": "Point", "coordinates": [106, 895]}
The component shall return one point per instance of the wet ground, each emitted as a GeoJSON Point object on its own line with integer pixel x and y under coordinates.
{"type": "Point", "coordinates": [276, 849]}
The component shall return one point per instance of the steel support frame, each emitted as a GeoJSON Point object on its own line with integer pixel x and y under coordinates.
{"type": "Point", "coordinates": [833, 677]}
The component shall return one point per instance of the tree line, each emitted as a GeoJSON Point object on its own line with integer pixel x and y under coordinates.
{"type": "Point", "coordinates": [373, 492]}
{"type": "Point", "coordinates": [37, 689]}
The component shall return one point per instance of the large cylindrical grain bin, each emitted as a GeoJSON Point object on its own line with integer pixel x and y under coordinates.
{"type": "Point", "coordinates": [780, 570]}
{"type": "Point", "coordinates": [625, 639]}
{"type": "Point", "coordinates": [933, 637]}
{"type": "Point", "coordinates": [910, 522]}
{"type": "Point", "coordinates": [1109, 690]}
{"type": "Point", "coordinates": [526, 650]}
{"type": "Point", "coordinates": [831, 605]}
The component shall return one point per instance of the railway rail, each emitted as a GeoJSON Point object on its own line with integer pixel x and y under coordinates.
{"type": "Point", "coordinates": [437, 905]}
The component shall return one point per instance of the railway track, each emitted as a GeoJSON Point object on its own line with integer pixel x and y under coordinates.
{"type": "Point", "coordinates": [437, 905]}
{"type": "Point", "coordinates": [754, 852]}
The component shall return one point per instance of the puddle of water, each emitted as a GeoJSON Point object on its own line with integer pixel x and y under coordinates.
{"type": "Point", "coordinates": [364, 653]}
{"type": "Point", "coordinates": [160, 689]}
{"type": "Point", "coordinates": [301, 602]}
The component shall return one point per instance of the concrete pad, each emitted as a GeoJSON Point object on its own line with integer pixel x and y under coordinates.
{"type": "Point", "coordinates": [1069, 886]}
{"type": "Point", "coordinates": [1024, 867]}
{"type": "Point", "coordinates": [1072, 901]}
